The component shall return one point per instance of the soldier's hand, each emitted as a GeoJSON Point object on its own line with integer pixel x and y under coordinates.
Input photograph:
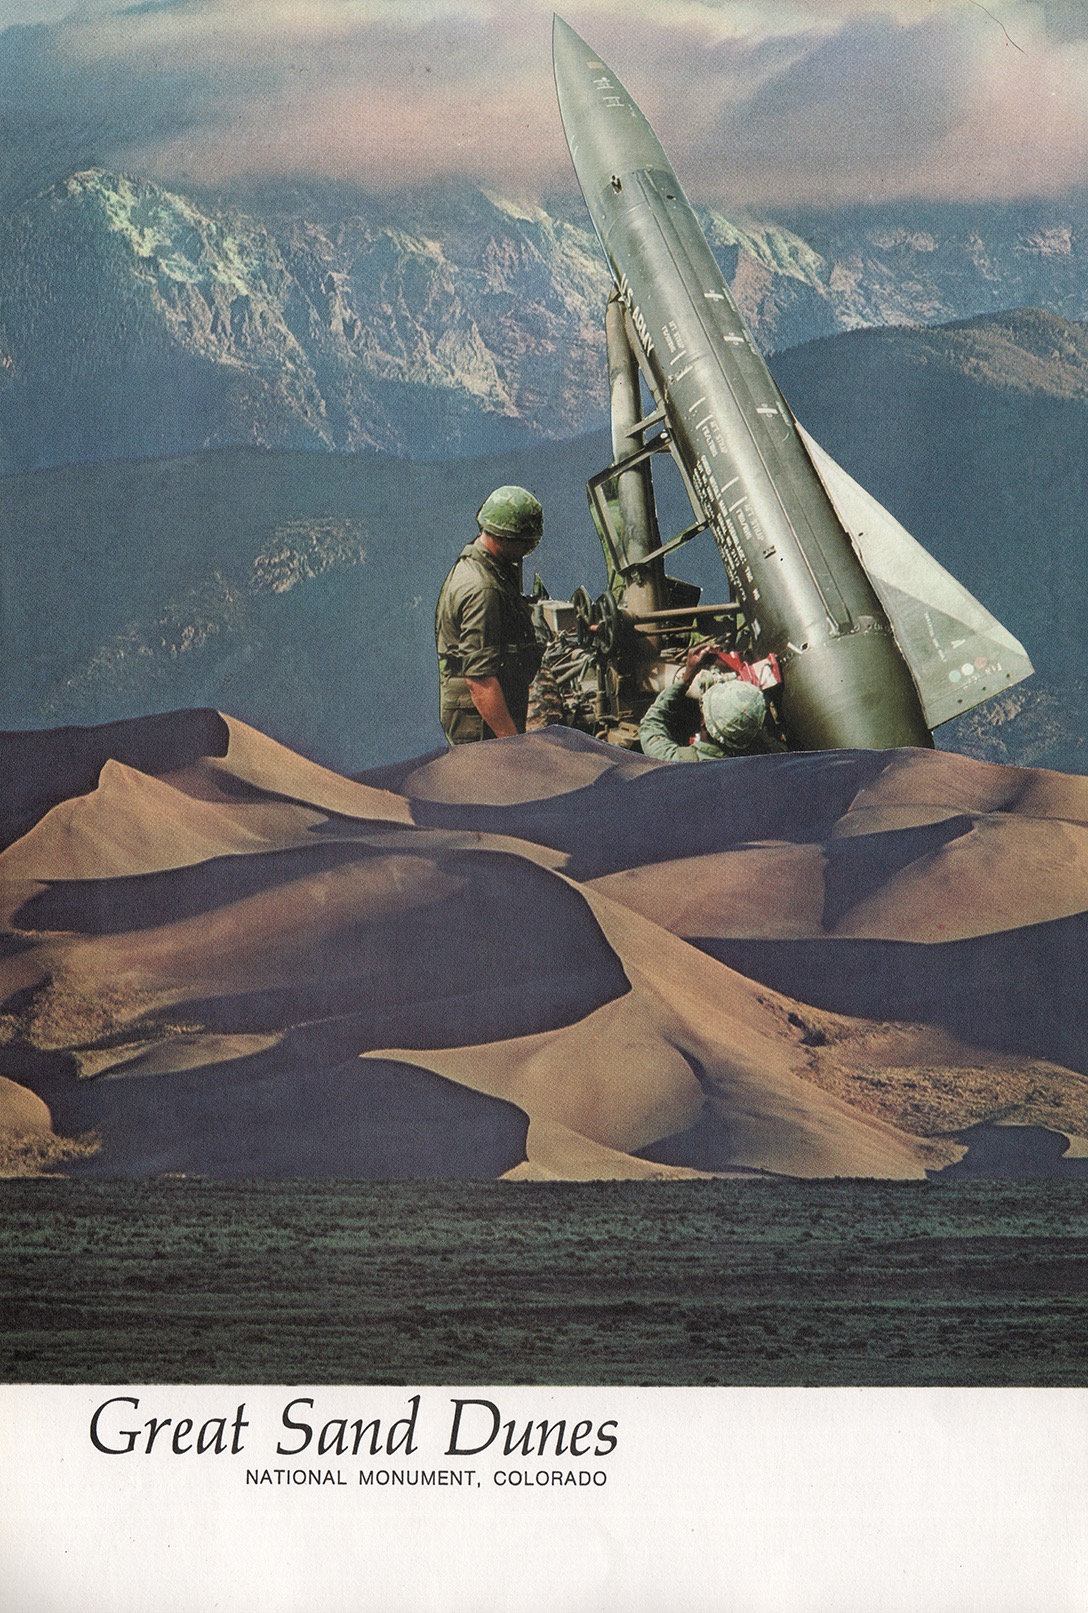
{"type": "Point", "coordinates": [698, 657]}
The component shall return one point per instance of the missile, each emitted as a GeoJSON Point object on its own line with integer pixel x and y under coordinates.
{"type": "Point", "coordinates": [876, 643]}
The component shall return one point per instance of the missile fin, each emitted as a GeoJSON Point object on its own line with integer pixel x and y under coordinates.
{"type": "Point", "coordinates": [959, 655]}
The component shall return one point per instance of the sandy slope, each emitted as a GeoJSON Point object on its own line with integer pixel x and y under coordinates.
{"type": "Point", "coordinates": [935, 848]}
{"type": "Point", "coordinates": [659, 1060]}
{"type": "Point", "coordinates": [980, 874]}
{"type": "Point", "coordinates": [538, 957]}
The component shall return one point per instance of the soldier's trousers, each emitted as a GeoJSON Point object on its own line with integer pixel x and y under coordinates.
{"type": "Point", "coordinates": [463, 727]}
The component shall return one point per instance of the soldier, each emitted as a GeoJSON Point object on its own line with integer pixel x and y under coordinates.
{"type": "Point", "coordinates": [735, 719]}
{"type": "Point", "coordinates": [487, 651]}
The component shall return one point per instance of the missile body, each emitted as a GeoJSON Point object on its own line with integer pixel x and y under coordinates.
{"type": "Point", "coordinates": [790, 561]}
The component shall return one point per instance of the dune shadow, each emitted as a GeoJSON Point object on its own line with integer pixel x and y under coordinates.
{"type": "Point", "coordinates": [671, 812]}
{"type": "Point", "coordinates": [361, 1119]}
{"type": "Point", "coordinates": [859, 866]}
{"type": "Point", "coordinates": [705, 1146]}
{"type": "Point", "coordinates": [128, 902]}
{"type": "Point", "coordinates": [471, 947]}
{"type": "Point", "coordinates": [997, 1151]}
{"type": "Point", "coordinates": [391, 775]}
{"type": "Point", "coordinates": [44, 767]}
{"type": "Point", "coordinates": [1017, 991]}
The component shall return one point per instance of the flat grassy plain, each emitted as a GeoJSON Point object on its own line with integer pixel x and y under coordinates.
{"type": "Point", "coordinates": [667, 1283]}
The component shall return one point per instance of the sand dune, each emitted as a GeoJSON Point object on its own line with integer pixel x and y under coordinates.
{"type": "Point", "coordinates": [727, 892]}
{"type": "Point", "coordinates": [132, 824]}
{"type": "Point", "coordinates": [948, 880]}
{"type": "Point", "coordinates": [546, 767]}
{"type": "Point", "coordinates": [539, 957]}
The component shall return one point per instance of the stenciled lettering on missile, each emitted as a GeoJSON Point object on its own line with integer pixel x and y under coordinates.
{"type": "Point", "coordinates": [637, 318]}
{"type": "Point", "coordinates": [712, 434]}
{"type": "Point", "coordinates": [603, 84]}
{"type": "Point", "coordinates": [725, 538]}
{"type": "Point", "coordinates": [708, 477]}
{"type": "Point", "coordinates": [704, 480]}
{"type": "Point", "coordinates": [751, 529]}
{"type": "Point", "coordinates": [706, 485]}
{"type": "Point", "coordinates": [672, 339]}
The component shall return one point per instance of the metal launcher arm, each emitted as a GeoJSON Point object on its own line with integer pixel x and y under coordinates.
{"type": "Point", "coordinates": [615, 653]}
{"type": "Point", "coordinates": [622, 499]}
{"type": "Point", "coordinates": [635, 549]}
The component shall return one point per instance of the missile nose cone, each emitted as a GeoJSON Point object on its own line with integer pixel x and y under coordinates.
{"type": "Point", "coordinates": [564, 39]}
{"type": "Point", "coordinates": [607, 134]}
{"type": "Point", "coordinates": [569, 54]}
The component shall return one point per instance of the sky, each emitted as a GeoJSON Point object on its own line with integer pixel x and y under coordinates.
{"type": "Point", "coordinates": [758, 102]}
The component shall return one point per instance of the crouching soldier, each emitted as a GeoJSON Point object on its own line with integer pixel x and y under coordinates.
{"type": "Point", "coordinates": [735, 720]}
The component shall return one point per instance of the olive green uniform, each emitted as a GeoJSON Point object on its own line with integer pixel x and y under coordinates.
{"type": "Point", "coordinates": [483, 628]}
{"type": "Point", "coordinates": [664, 730]}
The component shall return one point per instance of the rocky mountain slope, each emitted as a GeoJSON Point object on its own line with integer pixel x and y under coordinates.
{"type": "Point", "coordinates": [200, 326]}
{"type": "Point", "coordinates": [297, 590]}
{"type": "Point", "coordinates": [137, 322]}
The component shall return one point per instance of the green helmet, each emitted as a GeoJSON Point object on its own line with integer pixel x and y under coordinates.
{"type": "Point", "coordinates": [511, 512]}
{"type": "Point", "coordinates": [733, 714]}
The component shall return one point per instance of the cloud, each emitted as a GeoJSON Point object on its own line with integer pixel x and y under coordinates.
{"type": "Point", "coordinates": [758, 102]}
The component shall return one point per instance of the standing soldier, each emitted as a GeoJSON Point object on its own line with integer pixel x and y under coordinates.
{"type": "Point", "coordinates": [487, 651]}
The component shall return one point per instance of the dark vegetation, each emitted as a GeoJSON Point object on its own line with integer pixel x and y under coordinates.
{"type": "Point", "coordinates": [745, 1283]}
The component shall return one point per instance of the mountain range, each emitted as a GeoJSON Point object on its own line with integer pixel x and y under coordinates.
{"type": "Point", "coordinates": [296, 590]}
{"type": "Point", "coordinates": [136, 321]}
{"type": "Point", "coordinates": [288, 404]}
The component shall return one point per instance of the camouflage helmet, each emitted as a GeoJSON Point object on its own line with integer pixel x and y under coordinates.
{"type": "Point", "coordinates": [511, 512]}
{"type": "Point", "coordinates": [733, 713]}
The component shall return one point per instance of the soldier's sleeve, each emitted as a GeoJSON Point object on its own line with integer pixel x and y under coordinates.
{"type": "Point", "coordinates": [481, 633]}
{"type": "Point", "coordinates": [659, 729]}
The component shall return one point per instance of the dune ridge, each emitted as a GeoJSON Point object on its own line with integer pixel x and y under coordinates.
{"type": "Point", "coordinates": [539, 957]}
